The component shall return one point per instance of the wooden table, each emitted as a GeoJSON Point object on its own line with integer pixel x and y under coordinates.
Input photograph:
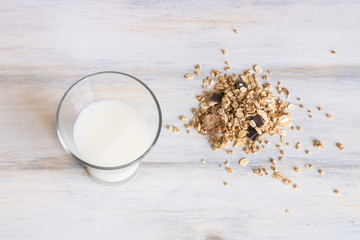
{"type": "Point", "coordinates": [45, 46]}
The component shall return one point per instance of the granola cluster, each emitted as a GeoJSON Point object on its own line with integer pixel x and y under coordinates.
{"type": "Point", "coordinates": [239, 110]}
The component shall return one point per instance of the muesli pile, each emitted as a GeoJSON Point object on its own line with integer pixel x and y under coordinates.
{"type": "Point", "coordinates": [239, 110]}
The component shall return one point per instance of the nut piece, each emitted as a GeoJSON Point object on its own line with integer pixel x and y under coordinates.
{"type": "Point", "coordinates": [183, 118]}
{"type": "Point", "coordinates": [336, 191]}
{"type": "Point", "coordinates": [188, 76]}
{"type": "Point", "coordinates": [340, 146]}
{"type": "Point", "coordinates": [318, 144]}
{"type": "Point", "coordinates": [258, 69]}
{"type": "Point", "coordinates": [288, 211]}
{"type": "Point", "coordinates": [243, 161]}
{"type": "Point", "coordinates": [321, 171]}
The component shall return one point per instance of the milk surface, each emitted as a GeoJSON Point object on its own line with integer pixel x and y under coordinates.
{"type": "Point", "coordinates": [110, 133]}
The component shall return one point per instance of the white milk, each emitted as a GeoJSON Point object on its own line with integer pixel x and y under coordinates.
{"type": "Point", "coordinates": [110, 133]}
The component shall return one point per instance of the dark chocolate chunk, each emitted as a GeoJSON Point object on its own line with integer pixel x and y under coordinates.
{"type": "Point", "coordinates": [259, 121]}
{"type": "Point", "coordinates": [240, 83]}
{"type": "Point", "coordinates": [252, 133]}
{"type": "Point", "coordinates": [216, 97]}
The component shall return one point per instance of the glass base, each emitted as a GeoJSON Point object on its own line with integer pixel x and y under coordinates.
{"type": "Point", "coordinates": [113, 177]}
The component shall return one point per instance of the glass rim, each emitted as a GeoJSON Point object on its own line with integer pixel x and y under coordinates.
{"type": "Point", "coordinates": [116, 167]}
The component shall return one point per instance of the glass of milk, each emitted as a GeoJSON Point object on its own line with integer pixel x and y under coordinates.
{"type": "Point", "coordinates": [109, 121]}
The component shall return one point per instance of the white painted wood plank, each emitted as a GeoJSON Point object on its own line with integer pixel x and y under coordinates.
{"type": "Point", "coordinates": [45, 46]}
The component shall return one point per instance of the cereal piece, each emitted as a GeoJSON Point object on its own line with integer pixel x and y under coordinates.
{"type": "Point", "coordinates": [299, 98]}
{"type": "Point", "coordinates": [309, 111]}
{"type": "Point", "coordinates": [278, 175]}
{"type": "Point", "coordinates": [301, 106]}
{"type": "Point", "coordinates": [306, 165]}
{"type": "Point", "coordinates": [273, 168]}
{"type": "Point", "coordinates": [278, 146]}
{"type": "Point", "coordinates": [295, 186]}
{"type": "Point", "coordinates": [320, 109]}
{"type": "Point", "coordinates": [297, 169]}
{"type": "Point", "coordinates": [288, 211]}
{"type": "Point", "coordinates": [230, 152]}
{"type": "Point", "coordinates": [333, 52]}
{"type": "Point", "coordinates": [281, 158]}
{"type": "Point", "coordinates": [288, 181]}
{"type": "Point", "coordinates": [225, 183]}
{"type": "Point", "coordinates": [328, 115]}
{"type": "Point", "coordinates": [197, 73]}
{"type": "Point", "coordinates": [279, 83]}
{"type": "Point", "coordinates": [243, 161]}
{"type": "Point", "coordinates": [183, 118]}
{"type": "Point", "coordinates": [171, 128]}
{"type": "Point", "coordinates": [336, 191]}
{"type": "Point", "coordinates": [236, 31]}
{"type": "Point", "coordinates": [203, 160]}
{"type": "Point", "coordinates": [265, 171]}
{"type": "Point", "coordinates": [188, 131]}
{"type": "Point", "coordinates": [299, 128]}
{"type": "Point", "coordinates": [318, 144]}
{"type": "Point", "coordinates": [340, 146]}
{"type": "Point", "coordinates": [282, 152]}
{"type": "Point", "coordinates": [292, 128]}
{"type": "Point", "coordinates": [227, 163]}
{"type": "Point", "coordinates": [176, 129]}
{"type": "Point", "coordinates": [224, 52]}
{"type": "Point", "coordinates": [311, 166]}
{"type": "Point", "coordinates": [307, 151]}
{"type": "Point", "coordinates": [227, 63]}
{"type": "Point", "coordinates": [220, 166]}
{"type": "Point", "coordinates": [227, 68]}
{"type": "Point", "coordinates": [310, 116]}
{"type": "Point", "coordinates": [287, 144]}
{"type": "Point", "coordinates": [197, 67]}
{"type": "Point", "coordinates": [229, 170]}
{"type": "Point", "coordinates": [273, 161]}
{"type": "Point", "coordinates": [265, 77]}
{"type": "Point", "coordinates": [189, 76]}
{"type": "Point", "coordinates": [268, 71]}
{"type": "Point", "coordinates": [321, 171]}
{"type": "Point", "coordinates": [298, 145]}
{"type": "Point", "coordinates": [267, 142]}
{"type": "Point", "coordinates": [258, 69]}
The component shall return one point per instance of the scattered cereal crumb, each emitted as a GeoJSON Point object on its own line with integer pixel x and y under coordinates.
{"type": "Point", "coordinates": [298, 145]}
{"type": "Point", "coordinates": [230, 152]}
{"type": "Point", "coordinates": [227, 63]}
{"type": "Point", "coordinates": [292, 128]}
{"type": "Point", "coordinates": [288, 181]}
{"type": "Point", "coordinates": [306, 165]}
{"type": "Point", "coordinates": [203, 160]}
{"type": "Point", "coordinates": [258, 69]}
{"type": "Point", "coordinates": [297, 169]}
{"type": "Point", "coordinates": [310, 116]}
{"type": "Point", "coordinates": [299, 128]}
{"type": "Point", "coordinates": [309, 111]}
{"type": "Point", "coordinates": [282, 152]}
{"type": "Point", "coordinates": [183, 118]}
{"type": "Point", "coordinates": [301, 106]}
{"type": "Point", "coordinates": [227, 68]}
{"type": "Point", "coordinates": [170, 127]}
{"type": "Point", "coordinates": [328, 115]}
{"type": "Point", "coordinates": [321, 171]}
{"type": "Point", "coordinates": [197, 73]}
{"type": "Point", "coordinates": [333, 51]}
{"type": "Point", "coordinates": [299, 98]}
{"type": "Point", "coordinates": [307, 151]}
{"type": "Point", "coordinates": [278, 175]}
{"type": "Point", "coordinates": [281, 158]}
{"type": "Point", "coordinates": [188, 131]}
{"type": "Point", "coordinates": [273, 161]}
{"type": "Point", "coordinates": [236, 31]}
{"type": "Point", "coordinates": [266, 77]}
{"type": "Point", "coordinates": [176, 129]}
{"type": "Point", "coordinates": [227, 163]}
{"type": "Point", "coordinates": [273, 168]}
{"type": "Point", "coordinates": [288, 211]}
{"type": "Point", "coordinates": [188, 76]}
{"type": "Point", "coordinates": [295, 186]}
{"type": "Point", "coordinates": [340, 146]}
{"type": "Point", "coordinates": [265, 171]}
{"type": "Point", "coordinates": [336, 191]}
{"type": "Point", "coordinates": [268, 71]}
{"type": "Point", "coordinates": [224, 52]}
{"type": "Point", "coordinates": [220, 165]}
{"type": "Point", "coordinates": [197, 67]}
{"type": "Point", "coordinates": [320, 108]}
{"type": "Point", "coordinates": [318, 144]}
{"type": "Point", "coordinates": [243, 161]}
{"type": "Point", "coordinates": [311, 166]}
{"type": "Point", "coordinates": [287, 144]}
{"type": "Point", "coordinates": [278, 146]}
{"type": "Point", "coordinates": [226, 183]}
{"type": "Point", "coordinates": [229, 170]}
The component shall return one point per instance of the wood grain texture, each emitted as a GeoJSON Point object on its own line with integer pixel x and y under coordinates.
{"type": "Point", "coordinates": [45, 46]}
